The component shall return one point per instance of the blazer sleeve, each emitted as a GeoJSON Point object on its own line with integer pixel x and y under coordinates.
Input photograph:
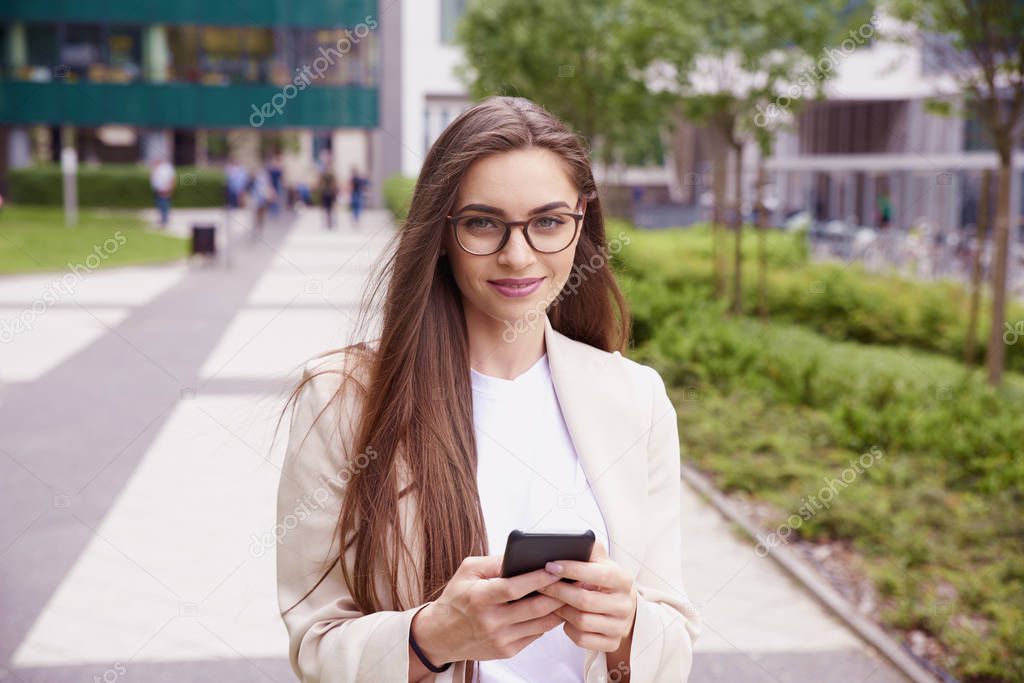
{"type": "Point", "coordinates": [330, 640]}
{"type": "Point", "coordinates": [667, 623]}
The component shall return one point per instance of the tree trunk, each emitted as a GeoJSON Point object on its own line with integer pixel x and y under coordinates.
{"type": "Point", "coordinates": [720, 130]}
{"type": "Point", "coordinates": [737, 219]}
{"type": "Point", "coordinates": [762, 243]}
{"type": "Point", "coordinates": [718, 271]}
{"type": "Point", "coordinates": [971, 342]}
{"type": "Point", "coordinates": [995, 357]}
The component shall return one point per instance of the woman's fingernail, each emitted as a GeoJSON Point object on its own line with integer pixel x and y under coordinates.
{"type": "Point", "coordinates": [553, 567]}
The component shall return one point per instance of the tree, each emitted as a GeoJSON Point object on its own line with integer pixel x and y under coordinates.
{"type": "Point", "coordinates": [576, 59]}
{"type": "Point", "coordinates": [987, 38]}
{"type": "Point", "coordinates": [758, 61]}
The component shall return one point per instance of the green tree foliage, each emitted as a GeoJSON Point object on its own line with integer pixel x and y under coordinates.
{"type": "Point", "coordinates": [986, 38]}
{"type": "Point", "coordinates": [579, 60]}
{"type": "Point", "coordinates": [758, 60]}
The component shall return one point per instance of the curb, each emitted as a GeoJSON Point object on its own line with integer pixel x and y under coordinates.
{"type": "Point", "coordinates": [827, 596]}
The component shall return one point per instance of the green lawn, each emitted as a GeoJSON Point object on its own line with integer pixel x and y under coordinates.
{"type": "Point", "coordinates": [773, 411]}
{"type": "Point", "coordinates": [36, 239]}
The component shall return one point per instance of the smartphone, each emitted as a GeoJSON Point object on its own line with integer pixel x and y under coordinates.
{"type": "Point", "coordinates": [526, 551]}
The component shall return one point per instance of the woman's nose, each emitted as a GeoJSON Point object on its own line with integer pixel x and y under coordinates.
{"type": "Point", "coordinates": [517, 252]}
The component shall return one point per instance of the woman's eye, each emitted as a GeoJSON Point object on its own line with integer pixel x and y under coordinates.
{"type": "Point", "coordinates": [479, 223]}
{"type": "Point", "coordinates": [548, 222]}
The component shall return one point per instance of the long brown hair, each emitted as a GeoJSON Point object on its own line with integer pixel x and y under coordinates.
{"type": "Point", "coordinates": [417, 401]}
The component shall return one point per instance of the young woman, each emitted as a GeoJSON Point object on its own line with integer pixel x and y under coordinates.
{"type": "Point", "coordinates": [495, 397]}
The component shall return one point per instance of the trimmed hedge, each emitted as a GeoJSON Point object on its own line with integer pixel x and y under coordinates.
{"type": "Point", "coordinates": [124, 186]}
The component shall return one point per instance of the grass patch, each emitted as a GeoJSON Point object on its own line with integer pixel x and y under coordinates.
{"type": "Point", "coordinates": [36, 239]}
{"type": "Point", "coordinates": [944, 561]}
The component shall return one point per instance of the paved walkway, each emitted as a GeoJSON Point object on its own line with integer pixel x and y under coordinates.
{"type": "Point", "coordinates": [136, 469]}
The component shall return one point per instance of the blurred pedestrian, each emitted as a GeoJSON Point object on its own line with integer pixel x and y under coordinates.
{"type": "Point", "coordinates": [328, 187]}
{"type": "Point", "coordinates": [161, 179]}
{"type": "Point", "coordinates": [305, 194]}
{"type": "Point", "coordinates": [357, 195]}
{"type": "Point", "coordinates": [264, 197]}
{"type": "Point", "coordinates": [884, 210]}
{"type": "Point", "coordinates": [276, 172]}
{"type": "Point", "coordinates": [237, 179]}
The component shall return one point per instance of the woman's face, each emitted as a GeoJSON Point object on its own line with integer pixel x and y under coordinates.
{"type": "Point", "coordinates": [513, 186]}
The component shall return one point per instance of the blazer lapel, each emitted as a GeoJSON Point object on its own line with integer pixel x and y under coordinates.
{"type": "Point", "coordinates": [608, 425]}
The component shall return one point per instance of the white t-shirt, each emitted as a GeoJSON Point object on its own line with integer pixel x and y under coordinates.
{"type": "Point", "coordinates": [530, 478]}
{"type": "Point", "coordinates": [162, 177]}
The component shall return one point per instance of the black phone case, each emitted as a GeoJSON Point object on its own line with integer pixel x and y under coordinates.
{"type": "Point", "coordinates": [526, 551]}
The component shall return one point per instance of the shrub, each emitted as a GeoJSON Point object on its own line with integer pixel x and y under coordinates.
{"type": "Point", "coordinates": [839, 301]}
{"type": "Point", "coordinates": [774, 409]}
{"type": "Point", "coordinates": [397, 195]}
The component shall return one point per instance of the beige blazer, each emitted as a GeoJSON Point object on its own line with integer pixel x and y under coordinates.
{"type": "Point", "coordinates": [625, 432]}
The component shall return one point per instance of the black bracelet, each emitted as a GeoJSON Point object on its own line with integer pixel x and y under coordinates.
{"type": "Point", "coordinates": [423, 657]}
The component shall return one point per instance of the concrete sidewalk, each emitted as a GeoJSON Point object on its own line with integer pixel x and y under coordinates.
{"type": "Point", "coordinates": [138, 478]}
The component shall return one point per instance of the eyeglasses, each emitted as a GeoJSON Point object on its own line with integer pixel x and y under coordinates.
{"type": "Point", "coordinates": [548, 233]}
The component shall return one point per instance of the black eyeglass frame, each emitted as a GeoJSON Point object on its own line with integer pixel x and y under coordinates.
{"type": "Point", "coordinates": [577, 216]}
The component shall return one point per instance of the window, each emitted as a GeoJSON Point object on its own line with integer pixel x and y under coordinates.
{"type": "Point", "coordinates": [334, 56]}
{"type": "Point", "coordinates": [210, 55]}
{"type": "Point", "coordinates": [938, 54]}
{"type": "Point", "coordinates": [183, 44]}
{"type": "Point", "coordinates": [235, 55]}
{"type": "Point", "coordinates": [124, 54]}
{"type": "Point", "coordinates": [42, 53]}
{"type": "Point", "coordinates": [82, 52]}
{"type": "Point", "coordinates": [438, 112]}
{"type": "Point", "coordinates": [451, 11]}
{"type": "Point", "coordinates": [216, 55]}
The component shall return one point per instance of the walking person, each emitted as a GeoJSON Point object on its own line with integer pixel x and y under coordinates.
{"type": "Point", "coordinates": [236, 179]}
{"type": "Point", "coordinates": [161, 180]}
{"type": "Point", "coordinates": [275, 170]}
{"type": "Point", "coordinates": [357, 195]}
{"type": "Point", "coordinates": [264, 197]}
{"type": "Point", "coordinates": [489, 400]}
{"type": "Point", "coordinates": [328, 186]}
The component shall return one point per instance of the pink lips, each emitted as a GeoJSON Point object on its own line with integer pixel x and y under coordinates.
{"type": "Point", "coordinates": [516, 287]}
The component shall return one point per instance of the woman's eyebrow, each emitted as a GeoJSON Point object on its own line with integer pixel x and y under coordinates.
{"type": "Point", "coordinates": [486, 208]}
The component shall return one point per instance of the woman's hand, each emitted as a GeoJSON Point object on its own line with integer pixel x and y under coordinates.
{"type": "Point", "coordinates": [600, 609]}
{"type": "Point", "coordinates": [474, 617]}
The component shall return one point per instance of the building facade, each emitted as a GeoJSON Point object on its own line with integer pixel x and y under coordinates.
{"type": "Point", "coordinates": [875, 151]}
{"type": "Point", "coordinates": [201, 81]}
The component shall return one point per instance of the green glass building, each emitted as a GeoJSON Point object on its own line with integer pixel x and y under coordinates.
{"type": "Point", "coordinates": [193, 80]}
